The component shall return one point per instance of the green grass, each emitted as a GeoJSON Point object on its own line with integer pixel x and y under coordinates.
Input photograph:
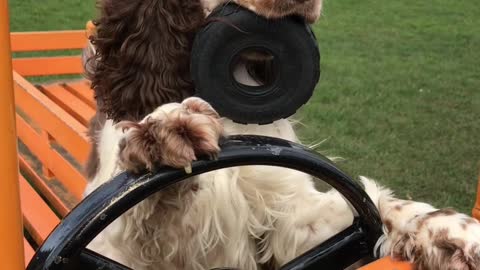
{"type": "Point", "coordinates": [399, 96]}
{"type": "Point", "coordinates": [33, 15]}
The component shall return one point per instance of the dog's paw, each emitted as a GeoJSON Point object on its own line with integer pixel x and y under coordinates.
{"type": "Point", "coordinates": [173, 135]}
{"type": "Point", "coordinates": [443, 240]}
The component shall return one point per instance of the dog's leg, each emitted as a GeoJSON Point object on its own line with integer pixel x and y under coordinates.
{"type": "Point", "coordinates": [424, 235]}
{"type": "Point", "coordinates": [190, 225]}
{"type": "Point", "coordinates": [312, 219]}
{"type": "Point", "coordinates": [198, 221]}
{"type": "Point", "coordinates": [289, 215]}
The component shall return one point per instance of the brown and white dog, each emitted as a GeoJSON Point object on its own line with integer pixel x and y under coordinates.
{"type": "Point", "coordinates": [252, 217]}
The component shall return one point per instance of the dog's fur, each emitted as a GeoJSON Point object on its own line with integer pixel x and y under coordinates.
{"type": "Point", "coordinates": [252, 217]}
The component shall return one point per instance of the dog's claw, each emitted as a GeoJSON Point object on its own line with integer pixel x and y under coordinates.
{"type": "Point", "coordinates": [188, 169]}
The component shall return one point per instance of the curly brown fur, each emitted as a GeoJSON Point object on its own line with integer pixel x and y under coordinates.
{"type": "Point", "coordinates": [140, 61]}
{"type": "Point", "coordinates": [175, 139]}
{"type": "Point", "coordinates": [142, 55]}
{"type": "Point", "coordinates": [451, 253]}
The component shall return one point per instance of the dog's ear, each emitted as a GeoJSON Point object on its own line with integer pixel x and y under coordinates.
{"type": "Point", "coordinates": [143, 55]}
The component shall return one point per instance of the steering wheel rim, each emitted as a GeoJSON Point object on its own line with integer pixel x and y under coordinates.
{"type": "Point", "coordinates": [65, 248]}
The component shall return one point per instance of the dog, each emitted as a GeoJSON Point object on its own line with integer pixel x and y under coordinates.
{"type": "Point", "coordinates": [251, 217]}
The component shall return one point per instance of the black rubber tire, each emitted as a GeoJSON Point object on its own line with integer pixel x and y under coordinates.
{"type": "Point", "coordinates": [290, 40]}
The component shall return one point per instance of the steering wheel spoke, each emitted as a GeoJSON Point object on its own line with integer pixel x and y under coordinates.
{"type": "Point", "coordinates": [89, 259]}
{"type": "Point", "coordinates": [337, 253]}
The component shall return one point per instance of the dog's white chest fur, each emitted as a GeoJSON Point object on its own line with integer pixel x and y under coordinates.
{"type": "Point", "coordinates": [223, 217]}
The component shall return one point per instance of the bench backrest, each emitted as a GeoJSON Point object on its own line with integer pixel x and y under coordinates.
{"type": "Point", "coordinates": [52, 120]}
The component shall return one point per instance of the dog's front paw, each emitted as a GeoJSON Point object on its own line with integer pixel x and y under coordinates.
{"type": "Point", "coordinates": [440, 240]}
{"type": "Point", "coordinates": [173, 135]}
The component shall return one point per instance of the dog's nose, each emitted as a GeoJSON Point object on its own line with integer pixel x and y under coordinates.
{"type": "Point", "coordinates": [301, 1]}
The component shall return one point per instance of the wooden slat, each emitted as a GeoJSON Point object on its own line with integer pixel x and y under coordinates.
{"type": "Point", "coordinates": [46, 66]}
{"type": "Point", "coordinates": [66, 130]}
{"type": "Point", "coordinates": [82, 90]}
{"type": "Point", "coordinates": [476, 208]}
{"type": "Point", "coordinates": [70, 103]}
{"type": "Point", "coordinates": [61, 168]}
{"type": "Point", "coordinates": [42, 187]}
{"type": "Point", "coordinates": [387, 263]}
{"type": "Point", "coordinates": [28, 251]}
{"type": "Point", "coordinates": [48, 41]}
{"type": "Point", "coordinates": [39, 220]}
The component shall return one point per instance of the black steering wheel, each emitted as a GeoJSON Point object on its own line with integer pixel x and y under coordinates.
{"type": "Point", "coordinates": [65, 248]}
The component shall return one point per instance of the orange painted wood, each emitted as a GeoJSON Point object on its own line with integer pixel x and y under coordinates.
{"type": "Point", "coordinates": [42, 187]}
{"type": "Point", "coordinates": [69, 102]}
{"type": "Point", "coordinates": [11, 232]}
{"type": "Point", "coordinates": [48, 41]}
{"type": "Point", "coordinates": [48, 139]}
{"type": "Point", "coordinates": [28, 251]}
{"type": "Point", "coordinates": [476, 208]}
{"type": "Point", "coordinates": [65, 129]}
{"type": "Point", "coordinates": [82, 90]}
{"type": "Point", "coordinates": [39, 220]}
{"type": "Point", "coordinates": [387, 263]}
{"type": "Point", "coordinates": [90, 28]}
{"type": "Point", "coordinates": [68, 175]}
{"type": "Point", "coordinates": [46, 66]}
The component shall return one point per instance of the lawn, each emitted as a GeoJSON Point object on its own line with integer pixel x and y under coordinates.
{"type": "Point", "coordinates": [399, 95]}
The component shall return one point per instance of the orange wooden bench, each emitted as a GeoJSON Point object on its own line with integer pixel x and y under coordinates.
{"type": "Point", "coordinates": [51, 123]}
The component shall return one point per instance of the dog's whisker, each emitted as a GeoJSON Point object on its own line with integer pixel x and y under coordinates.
{"type": "Point", "coordinates": [315, 145]}
{"type": "Point", "coordinates": [298, 122]}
